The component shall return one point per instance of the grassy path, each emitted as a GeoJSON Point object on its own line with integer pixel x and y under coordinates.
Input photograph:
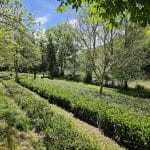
{"type": "Point", "coordinates": [89, 130]}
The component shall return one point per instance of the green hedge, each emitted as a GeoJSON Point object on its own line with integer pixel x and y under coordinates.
{"type": "Point", "coordinates": [118, 122]}
{"type": "Point", "coordinates": [139, 105]}
{"type": "Point", "coordinates": [9, 113]}
{"type": "Point", "coordinates": [5, 75]}
{"type": "Point", "coordinates": [59, 132]}
{"type": "Point", "coordinates": [10, 120]}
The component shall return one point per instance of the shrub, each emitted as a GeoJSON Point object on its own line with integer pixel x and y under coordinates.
{"type": "Point", "coordinates": [119, 122]}
{"type": "Point", "coordinates": [13, 120]}
{"type": "Point", "coordinates": [139, 87]}
{"type": "Point", "coordinates": [59, 133]}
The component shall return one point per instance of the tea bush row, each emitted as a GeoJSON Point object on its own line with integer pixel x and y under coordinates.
{"type": "Point", "coordinates": [118, 122]}
{"type": "Point", "coordinates": [59, 132]}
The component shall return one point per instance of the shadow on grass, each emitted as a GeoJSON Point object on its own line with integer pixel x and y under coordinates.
{"type": "Point", "coordinates": [144, 93]}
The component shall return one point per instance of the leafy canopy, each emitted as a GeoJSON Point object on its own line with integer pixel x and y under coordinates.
{"type": "Point", "coordinates": [113, 10]}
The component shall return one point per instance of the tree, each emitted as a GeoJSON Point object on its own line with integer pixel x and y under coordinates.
{"type": "Point", "coordinates": [17, 22]}
{"type": "Point", "coordinates": [113, 10]}
{"type": "Point", "coordinates": [97, 38]}
{"type": "Point", "coordinates": [130, 55]}
{"type": "Point", "coordinates": [86, 40]}
{"type": "Point", "coordinates": [6, 47]}
{"type": "Point", "coordinates": [51, 52]}
{"type": "Point", "coordinates": [63, 38]}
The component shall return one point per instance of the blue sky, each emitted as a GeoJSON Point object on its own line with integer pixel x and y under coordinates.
{"type": "Point", "coordinates": [44, 11]}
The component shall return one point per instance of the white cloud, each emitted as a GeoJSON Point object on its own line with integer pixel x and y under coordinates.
{"type": "Point", "coordinates": [42, 20]}
{"type": "Point", "coordinates": [73, 22]}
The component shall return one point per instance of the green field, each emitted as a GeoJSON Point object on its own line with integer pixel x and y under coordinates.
{"type": "Point", "coordinates": [111, 96]}
{"type": "Point", "coordinates": [125, 119]}
{"type": "Point", "coordinates": [52, 127]}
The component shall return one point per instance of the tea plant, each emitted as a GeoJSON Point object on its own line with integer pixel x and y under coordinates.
{"type": "Point", "coordinates": [119, 122]}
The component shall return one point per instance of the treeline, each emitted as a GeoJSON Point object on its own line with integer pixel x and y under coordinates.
{"type": "Point", "coordinates": [87, 50]}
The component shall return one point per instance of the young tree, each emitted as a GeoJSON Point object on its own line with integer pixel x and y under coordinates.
{"type": "Point", "coordinates": [6, 47]}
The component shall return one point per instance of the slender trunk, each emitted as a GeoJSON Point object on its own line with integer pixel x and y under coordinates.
{"type": "Point", "coordinates": [101, 86]}
{"type": "Point", "coordinates": [74, 66]}
{"type": "Point", "coordinates": [101, 89]}
{"type": "Point", "coordinates": [62, 70]}
{"type": "Point", "coordinates": [43, 75]}
{"type": "Point", "coordinates": [34, 73]}
{"type": "Point", "coordinates": [16, 66]}
{"type": "Point", "coordinates": [125, 85]}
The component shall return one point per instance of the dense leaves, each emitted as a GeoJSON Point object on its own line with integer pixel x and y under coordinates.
{"type": "Point", "coordinates": [113, 10]}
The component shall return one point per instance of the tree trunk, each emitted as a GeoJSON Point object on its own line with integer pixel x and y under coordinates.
{"type": "Point", "coordinates": [16, 74]}
{"type": "Point", "coordinates": [101, 85]}
{"type": "Point", "coordinates": [101, 89]}
{"type": "Point", "coordinates": [62, 74]}
{"type": "Point", "coordinates": [74, 66]}
{"type": "Point", "coordinates": [125, 85]}
{"type": "Point", "coordinates": [43, 75]}
{"type": "Point", "coordinates": [34, 73]}
{"type": "Point", "coordinates": [16, 66]}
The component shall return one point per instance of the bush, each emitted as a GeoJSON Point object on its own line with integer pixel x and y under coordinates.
{"type": "Point", "coordinates": [9, 112]}
{"type": "Point", "coordinates": [59, 133]}
{"type": "Point", "coordinates": [13, 120]}
{"type": "Point", "coordinates": [119, 122]}
{"type": "Point", "coordinates": [139, 87]}
{"type": "Point", "coordinates": [88, 78]}
{"type": "Point", "coordinates": [72, 77]}
{"type": "Point", "coordinates": [5, 75]}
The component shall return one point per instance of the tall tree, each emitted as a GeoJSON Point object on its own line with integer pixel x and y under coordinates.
{"type": "Point", "coordinates": [15, 18]}
{"type": "Point", "coordinates": [51, 52]}
{"type": "Point", "coordinates": [130, 55]}
{"type": "Point", "coordinates": [93, 35]}
{"type": "Point", "coordinates": [66, 47]}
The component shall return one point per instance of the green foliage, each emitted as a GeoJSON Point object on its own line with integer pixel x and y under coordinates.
{"type": "Point", "coordinates": [18, 49]}
{"type": "Point", "coordinates": [63, 37]}
{"type": "Point", "coordinates": [139, 87]}
{"type": "Point", "coordinates": [141, 106]}
{"type": "Point", "coordinates": [119, 122]}
{"type": "Point", "coordinates": [13, 119]}
{"type": "Point", "coordinates": [114, 10]}
{"type": "Point", "coordinates": [59, 133]}
{"type": "Point", "coordinates": [6, 75]}
{"type": "Point", "coordinates": [130, 53]}
{"type": "Point", "coordinates": [9, 112]}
